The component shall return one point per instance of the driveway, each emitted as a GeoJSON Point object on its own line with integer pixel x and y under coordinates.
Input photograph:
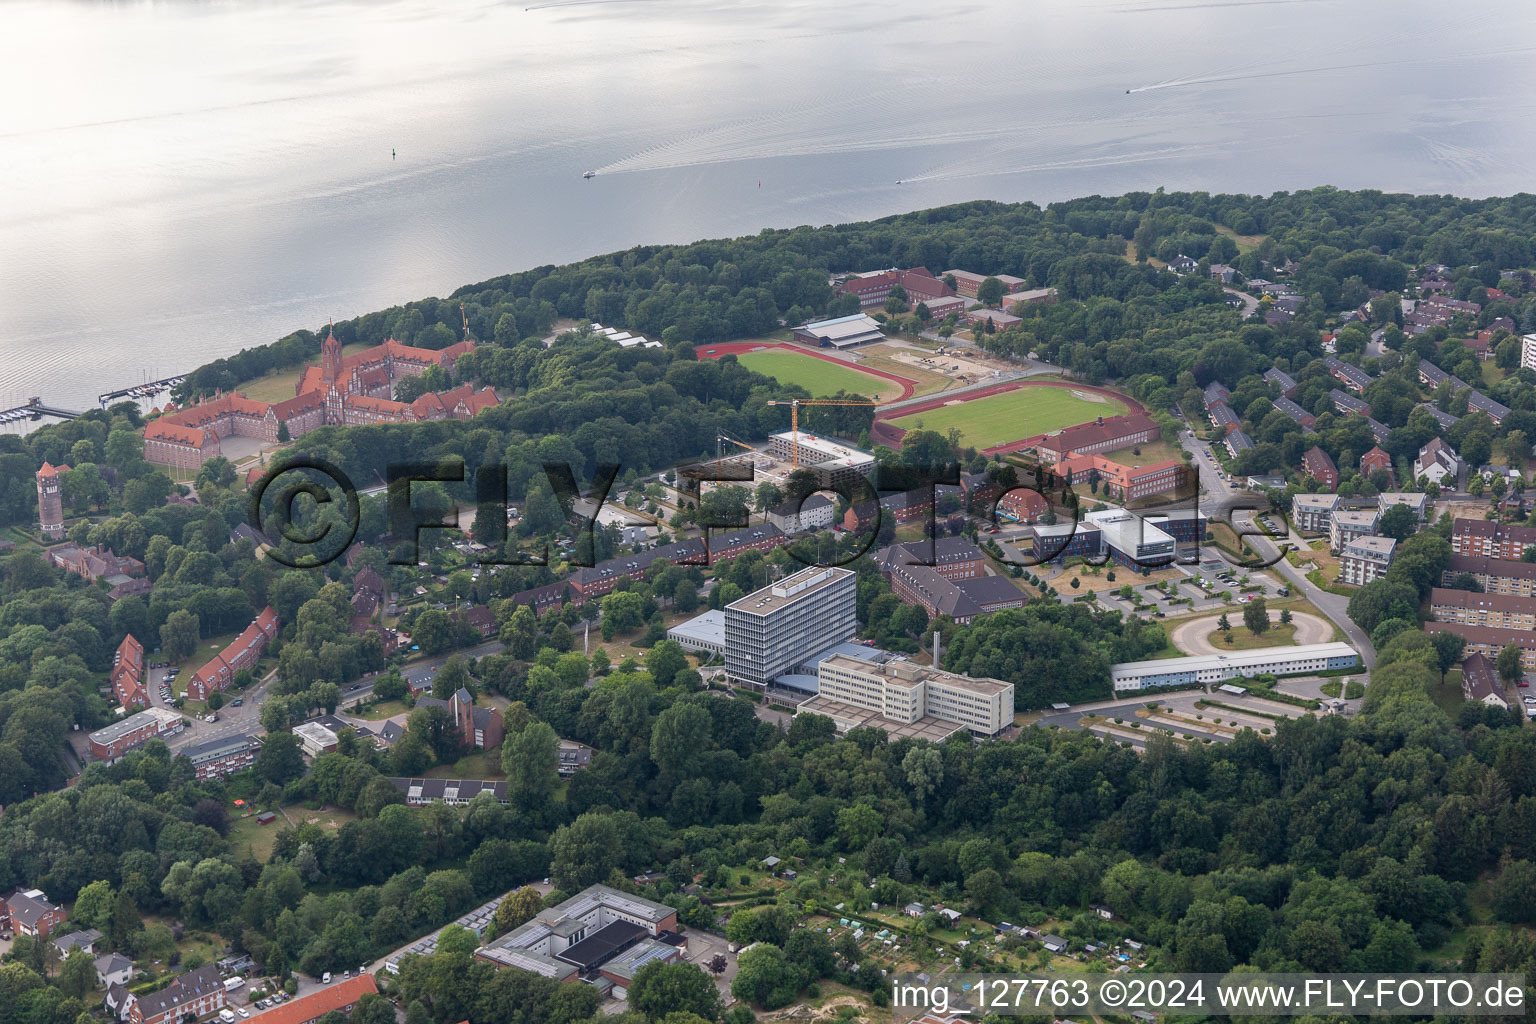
{"type": "Point", "coordinates": [1249, 302]}
{"type": "Point", "coordinates": [1193, 637]}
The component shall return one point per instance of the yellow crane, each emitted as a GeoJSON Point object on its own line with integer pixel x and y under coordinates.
{"type": "Point", "coordinates": [465, 315]}
{"type": "Point", "coordinates": [794, 417]}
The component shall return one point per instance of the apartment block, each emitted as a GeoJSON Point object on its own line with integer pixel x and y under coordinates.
{"type": "Point", "coordinates": [1365, 559]}
{"type": "Point", "coordinates": [1491, 539]}
{"type": "Point", "coordinates": [1350, 526]}
{"type": "Point", "coordinates": [1468, 607]}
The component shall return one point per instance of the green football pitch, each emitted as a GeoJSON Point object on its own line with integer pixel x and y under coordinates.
{"type": "Point", "coordinates": [817, 376]}
{"type": "Point", "coordinates": [1013, 415]}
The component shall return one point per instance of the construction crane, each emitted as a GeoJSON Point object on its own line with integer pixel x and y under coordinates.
{"type": "Point", "coordinates": [720, 441]}
{"type": "Point", "coordinates": [794, 417]}
{"type": "Point", "coordinates": [465, 315]}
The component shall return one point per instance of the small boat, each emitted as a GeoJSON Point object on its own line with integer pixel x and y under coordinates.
{"type": "Point", "coordinates": [590, 174]}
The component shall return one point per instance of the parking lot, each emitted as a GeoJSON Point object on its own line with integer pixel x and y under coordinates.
{"type": "Point", "coordinates": [1202, 584]}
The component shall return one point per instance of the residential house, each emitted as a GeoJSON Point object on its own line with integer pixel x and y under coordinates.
{"type": "Point", "coordinates": [1348, 404]}
{"type": "Point", "coordinates": [813, 513]}
{"type": "Point", "coordinates": [28, 912]}
{"type": "Point", "coordinates": [1282, 380]}
{"type": "Point", "coordinates": [85, 940]}
{"type": "Point", "coordinates": [1490, 640]}
{"type": "Point", "coordinates": [1375, 459]}
{"type": "Point", "coordinates": [1318, 464]}
{"type": "Point", "coordinates": [1480, 682]}
{"type": "Point", "coordinates": [113, 969]}
{"type": "Point", "coordinates": [1438, 462]}
{"type": "Point", "coordinates": [196, 993]}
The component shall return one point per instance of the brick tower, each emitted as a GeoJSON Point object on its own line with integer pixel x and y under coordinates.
{"type": "Point", "coordinates": [50, 502]}
{"type": "Point", "coordinates": [330, 358]}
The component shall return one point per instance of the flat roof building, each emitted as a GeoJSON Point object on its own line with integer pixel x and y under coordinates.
{"type": "Point", "coordinates": [902, 693]}
{"type": "Point", "coordinates": [702, 634]}
{"type": "Point", "coordinates": [581, 935]}
{"type": "Point", "coordinates": [833, 461]}
{"type": "Point", "coordinates": [113, 741]}
{"type": "Point", "coordinates": [1365, 559]}
{"type": "Point", "coordinates": [771, 630]}
{"type": "Point", "coordinates": [1217, 668]}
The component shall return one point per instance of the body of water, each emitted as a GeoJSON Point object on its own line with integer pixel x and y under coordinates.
{"type": "Point", "coordinates": [185, 179]}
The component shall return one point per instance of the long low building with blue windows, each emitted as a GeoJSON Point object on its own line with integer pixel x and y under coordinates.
{"type": "Point", "coordinates": [1218, 668]}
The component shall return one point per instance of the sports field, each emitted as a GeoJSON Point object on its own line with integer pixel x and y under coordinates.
{"type": "Point", "coordinates": [818, 376]}
{"type": "Point", "coordinates": [1012, 415]}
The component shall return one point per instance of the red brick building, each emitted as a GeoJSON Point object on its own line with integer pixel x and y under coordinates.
{"type": "Point", "coordinates": [919, 284]}
{"type": "Point", "coordinates": [1373, 460]}
{"type": "Point", "coordinates": [28, 912]}
{"type": "Point", "coordinates": [127, 676]}
{"type": "Point", "coordinates": [193, 994]}
{"type": "Point", "coordinates": [1103, 435]}
{"type": "Point", "coordinates": [355, 390]}
{"type": "Point", "coordinates": [1318, 464]}
{"type": "Point", "coordinates": [115, 740]}
{"type": "Point", "coordinates": [1125, 482]}
{"type": "Point", "coordinates": [1491, 539]}
{"type": "Point", "coordinates": [1022, 504]}
{"type": "Point", "coordinates": [953, 558]}
{"type": "Point", "coordinates": [244, 652]}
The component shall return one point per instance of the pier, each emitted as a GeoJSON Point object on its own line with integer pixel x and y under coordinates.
{"type": "Point", "coordinates": [34, 409]}
{"type": "Point", "coordinates": [140, 391]}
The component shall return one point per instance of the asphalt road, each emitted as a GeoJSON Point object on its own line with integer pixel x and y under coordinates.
{"type": "Point", "coordinates": [1249, 302]}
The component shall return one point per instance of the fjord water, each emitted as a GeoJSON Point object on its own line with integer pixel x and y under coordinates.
{"type": "Point", "coordinates": [180, 180]}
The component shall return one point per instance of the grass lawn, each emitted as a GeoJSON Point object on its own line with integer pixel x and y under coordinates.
{"type": "Point", "coordinates": [383, 710]}
{"type": "Point", "coordinates": [259, 839]}
{"type": "Point", "coordinates": [1153, 451]}
{"type": "Point", "coordinates": [325, 817]}
{"type": "Point", "coordinates": [817, 376]}
{"type": "Point", "coordinates": [1012, 415]}
{"type": "Point", "coordinates": [480, 765]}
{"type": "Point", "coordinates": [278, 385]}
{"type": "Point", "coordinates": [1245, 243]}
{"type": "Point", "coordinates": [1277, 635]}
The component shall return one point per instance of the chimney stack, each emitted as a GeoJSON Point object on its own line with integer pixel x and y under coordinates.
{"type": "Point", "coordinates": [936, 651]}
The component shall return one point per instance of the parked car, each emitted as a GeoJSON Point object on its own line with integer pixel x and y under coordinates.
{"type": "Point", "coordinates": [325, 979]}
{"type": "Point", "coordinates": [237, 702]}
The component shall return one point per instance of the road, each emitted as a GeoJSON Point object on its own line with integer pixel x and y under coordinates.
{"type": "Point", "coordinates": [1194, 636]}
{"type": "Point", "coordinates": [1224, 501]}
{"type": "Point", "coordinates": [1335, 606]}
{"type": "Point", "coordinates": [1249, 302]}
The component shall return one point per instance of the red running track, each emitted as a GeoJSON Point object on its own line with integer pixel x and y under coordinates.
{"type": "Point", "coordinates": [736, 348]}
{"type": "Point", "coordinates": [887, 433]}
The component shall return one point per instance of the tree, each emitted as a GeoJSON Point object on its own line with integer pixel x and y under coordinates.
{"type": "Point", "coordinates": [1398, 522]}
{"type": "Point", "coordinates": [584, 852]}
{"type": "Point", "coordinates": [1517, 448]}
{"type": "Point", "coordinates": [1514, 892]}
{"type": "Point", "coordinates": [765, 977]}
{"type": "Point", "coordinates": [1256, 616]}
{"type": "Point", "coordinates": [93, 905]}
{"type": "Point", "coordinates": [660, 989]}
{"type": "Point", "coordinates": [180, 635]}
{"type": "Point", "coordinates": [1509, 663]}
{"type": "Point", "coordinates": [1449, 647]}
{"type": "Point", "coordinates": [520, 633]}
{"type": "Point", "coordinates": [529, 759]}
{"type": "Point", "coordinates": [280, 761]}
{"type": "Point", "coordinates": [78, 975]}
{"type": "Point", "coordinates": [664, 661]}
{"type": "Point", "coordinates": [1285, 616]}
{"type": "Point", "coordinates": [1223, 624]}
{"type": "Point", "coordinates": [679, 738]}
{"type": "Point", "coordinates": [518, 908]}
{"type": "Point", "coordinates": [990, 292]}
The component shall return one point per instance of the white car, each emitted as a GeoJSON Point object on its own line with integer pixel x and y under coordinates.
{"type": "Point", "coordinates": [242, 1011]}
{"type": "Point", "coordinates": [325, 979]}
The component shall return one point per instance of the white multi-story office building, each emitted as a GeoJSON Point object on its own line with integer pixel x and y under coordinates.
{"type": "Point", "coordinates": [770, 631]}
{"type": "Point", "coordinates": [907, 699]}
